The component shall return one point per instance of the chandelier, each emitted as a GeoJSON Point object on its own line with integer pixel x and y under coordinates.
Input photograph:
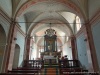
{"type": "Point", "coordinates": [50, 32]}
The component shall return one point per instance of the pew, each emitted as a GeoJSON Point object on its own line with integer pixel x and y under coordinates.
{"type": "Point", "coordinates": [21, 68]}
{"type": "Point", "coordinates": [23, 71]}
{"type": "Point", "coordinates": [16, 74]}
{"type": "Point", "coordinates": [30, 67]}
{"type": "Point", "coordinates": [80, 73]}
{"type": "Point", "coordinates": [76, 71]}
{"type": "Point", "coordinates": [70, 70]}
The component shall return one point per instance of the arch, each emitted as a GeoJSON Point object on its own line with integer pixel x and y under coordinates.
{"type": "Point", "coordinates": [43, 21]}
{"type": "Point", "coordinates": [16, 56]}
{"type": "Point", "coordinates": [2, 46]}
{"type": "Point", "coordinates": [68, 3]}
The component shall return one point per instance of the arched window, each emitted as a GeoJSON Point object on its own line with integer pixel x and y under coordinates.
{"type": "Point", "coordinates": [78, 23]}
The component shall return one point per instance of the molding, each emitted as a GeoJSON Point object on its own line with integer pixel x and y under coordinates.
{"type": "Point", "coordinates": [5, 16]}
{"type": "Point", "coordinates": [19, 29]}
{"type": "Point", "coordinates": [82, 29]}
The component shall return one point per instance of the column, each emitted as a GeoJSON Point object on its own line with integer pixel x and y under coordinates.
{"type": "Point", "coordinates": [93, 63]}
{"type": "Point", "coordinates": [73, 46]}
{"type": "Point", "coordinates": [28, 41]}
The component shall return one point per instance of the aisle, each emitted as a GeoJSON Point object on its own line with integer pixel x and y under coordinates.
{"type": "Point", "coordinates": [51, 71]}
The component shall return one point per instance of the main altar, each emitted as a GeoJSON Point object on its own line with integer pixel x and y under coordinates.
{"type": "Point", "coordinates": [50, 54]}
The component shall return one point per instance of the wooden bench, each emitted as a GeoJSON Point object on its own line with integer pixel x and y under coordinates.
{"type": "Point", "coordinates": [27, 69]}
{"type": "Point", "coordinates": [70, 70]}
{"type": "Point", "coordinates": [80, 73]}
{"type": "Point", "coordinates": [17, 74]}
{"type": "Point", "coordinates": [23, 71]}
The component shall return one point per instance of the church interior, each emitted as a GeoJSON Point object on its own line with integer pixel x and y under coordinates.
{"type": "Point", "coordinates": [49, 37]}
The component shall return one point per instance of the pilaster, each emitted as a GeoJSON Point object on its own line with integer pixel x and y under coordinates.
{"type": "Point", "coordinates": [28, 42]}
{"type": "Point", "coordinates": [73, 45]}
{"type": "Point", "coordinates": [92, 58]}
{"type": "Point", "coordinates": [11, 41]}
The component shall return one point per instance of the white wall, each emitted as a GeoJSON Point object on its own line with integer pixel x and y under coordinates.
{"type": "Point", "coordinates": [96, 37]}
{"type": "Point", "coordinates": [6, 5]}
{"type": "Point", "coordinates": [82, 51]}
{"type": "Point", "coordinates": [20, 41]}
{"type": "Point", "coordinates": [5, 25]}
{"type": "Point", "coordinates": [3, 39]}
{"type": "Point", "coordinates": [22, 25]}
{"type": "Point", "coordinates": [67, 50]}
{"type": "Point", "coordinates": [94, 6]}
{"type": "Point", "coordinates": [2, 46]}
{"type": "Point", "coordinates": [34, 52]}
{"type": "Point", "coordinates": [16, 56]}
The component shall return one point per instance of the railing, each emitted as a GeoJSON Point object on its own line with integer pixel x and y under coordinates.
{"type": "Point", "coordinates": [69, 63]}
{"type": "Point", "coordinates": [33, 63]}
{"type": "Point", "coordinates": [40, 63]}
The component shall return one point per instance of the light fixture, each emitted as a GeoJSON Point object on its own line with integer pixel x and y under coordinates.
{"type": "Point", "coordinates": [50, 32]}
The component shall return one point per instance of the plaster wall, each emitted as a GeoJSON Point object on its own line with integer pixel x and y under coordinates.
{"type": "Point", "coordinates": [5, 25]}
{"type": "Point", "coordinates": [20, 41]}
{"type": "Point", "coordinates": [22, 24]}
{"type": "Point", "coordinates": [4, 29]}
{"type": "Point", "coordinates": [94, 6]}
{"type": "Point", "coordinates": [82, 51]}
{"type": "Point", "coordinates": [96, 37]}
{"type": "Point", "coordinates": [67, 50]}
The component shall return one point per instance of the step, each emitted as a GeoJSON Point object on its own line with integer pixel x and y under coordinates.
{"type": "Point", "coordinates": [50, 71]}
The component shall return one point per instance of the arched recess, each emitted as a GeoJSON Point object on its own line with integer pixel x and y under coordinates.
{"type": "Point", "coordinates": [16, 56]}
{"type": "Point", "coordinates": [2, 46]}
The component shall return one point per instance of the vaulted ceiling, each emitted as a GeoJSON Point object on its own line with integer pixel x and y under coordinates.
{"type": "Point", "coordinates": [36, 15]}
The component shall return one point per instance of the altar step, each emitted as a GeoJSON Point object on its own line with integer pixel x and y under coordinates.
{"type": "Point", "coordinates": [51, 66]}
{"type": "Point", "coordinates": [50, 71]}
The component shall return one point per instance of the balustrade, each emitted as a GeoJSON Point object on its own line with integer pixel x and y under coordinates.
{"type": "Point", "coordinates": [69, 63]}
{"type": "Point", "coordinates": [33, 63]}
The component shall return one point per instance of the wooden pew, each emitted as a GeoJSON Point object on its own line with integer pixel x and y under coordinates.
{"type": "Point", "coordinates": [76, 71]}
{"type": "Point", "coordinates": [23, 71]}
{"type": "Point", "coordinates": [21, 68]}
{"type": "Point", "coordinates": [17, 74]}
{"type": "Point", "coordinates": [70, 70]}
{"type": "Point", "coordinates": [80, 73]}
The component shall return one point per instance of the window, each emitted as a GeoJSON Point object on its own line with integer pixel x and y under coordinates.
{"type": "Point", "coordinates": [78, 23]}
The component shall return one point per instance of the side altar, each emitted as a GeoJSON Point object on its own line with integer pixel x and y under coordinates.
{"type": "Point", "coordinates": [50, 54]}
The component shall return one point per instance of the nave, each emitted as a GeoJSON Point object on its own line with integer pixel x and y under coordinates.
{"type": "Point", "coordinates": [35, 35]}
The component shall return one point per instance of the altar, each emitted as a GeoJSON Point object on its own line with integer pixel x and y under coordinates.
{"type": "Point", "coordinates": [50, 60]}
{"type": "Point", "coordinates": [50, 55]}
